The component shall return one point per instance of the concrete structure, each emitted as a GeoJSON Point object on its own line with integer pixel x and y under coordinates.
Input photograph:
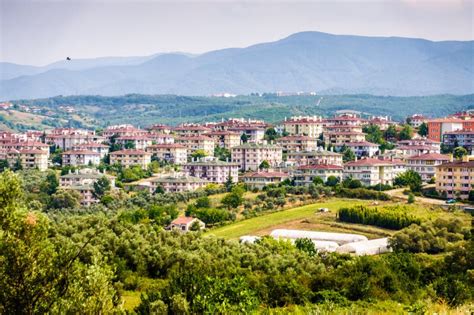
{"type": "Point", "coordinates": [250, 155]}
{"type": "Point", "coordinates": [225, 139]}
{"type": "Point", "coordinates": [83, 181]}
{"type": "Point", "coordinates": [438, 127]}
{"type": "Point", "coordinates": [297, 143]}
{"type": "Point", "coordinates": [67, 138]}
{"type": "Point", "coordinates": [172, 153]}
{"type": "Point", "coordinates": [175, 183]}
{"type": "Point", "coordinates": [80, 157]}
{"type": "Point", "coordinates": [213, 170]}
{"type": "Point", "coordinates": [360, 149]}
{"type": "Point", "coordinates": [138, 142]}
{"type": "Point", "coordinates": [406, 148]}
{"type": "Point", "coordinates": [262, 179]}
{"type": "Point", "coordinates": [131, 157]}
{"type": "Point", "coordinates": [190, 130]}
{"type": "Point", "coordinates": [417, 119]}
{"type": "Point", "coordinates": [100, 148]}
{"type": "Point", "coordinates": [425, 164]}
{"type": "Point", "coordinates": [28, 158]}
{"type": "Point", "coordinates": [304, 175]}
{"type": "Point", "coordinates": [319, 156]}
{"type": "Point", "coordinates": [124, 130]}
{"type": "Point", "coordinates": [311, 126]}
{"type": "Point", "coordinates": [460, 138]}
{"type": "Point", "coordinates": [193, 143]}
{"type": "Point", "coordinates": [455, 179]}
{"type": "Point", "coordinates": [372, 171]}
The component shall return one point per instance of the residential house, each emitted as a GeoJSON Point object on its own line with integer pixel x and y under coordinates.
{"type": "Point", "coordinates": [262, 179]}
{"type": "Point", "coordinates": [131, 157]}
{"type": "Point", "coordinates": [173, 153]}
{"type": "Point", "coordinates": [250, 155]}
{"type": "Point", "coordinates": [425, 164]}
{"type": "Point", "coordinates": [455, 179]}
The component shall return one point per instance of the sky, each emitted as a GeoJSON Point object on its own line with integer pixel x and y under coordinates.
{"type": "Point", "coordinates": [38, 32]}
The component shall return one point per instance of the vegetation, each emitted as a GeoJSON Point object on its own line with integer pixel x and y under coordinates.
{"type": "Point", "coordinates": [393, 217]}
{"type": "Point", "coordinates": [409, 178]}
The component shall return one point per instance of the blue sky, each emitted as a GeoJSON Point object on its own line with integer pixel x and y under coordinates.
{"type": "Point", "coordinates": [38, 32]}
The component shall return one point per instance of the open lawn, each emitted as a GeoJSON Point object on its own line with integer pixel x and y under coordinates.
{"type": "Point", "coordinates": [308, 218]}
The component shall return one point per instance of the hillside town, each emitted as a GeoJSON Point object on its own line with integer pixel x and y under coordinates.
{"type": "Point", "coordinates": [373, 150]}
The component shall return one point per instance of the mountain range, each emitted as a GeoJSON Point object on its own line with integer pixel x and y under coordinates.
{"type": "Point", "coordinates": [306, 61]}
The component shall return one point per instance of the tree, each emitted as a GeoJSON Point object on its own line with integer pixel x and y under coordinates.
{"type": "Point", "coordinates": [51, 184]}
{"type": "Point", "coordinates": [332, 181]}
{"type": "Point", "coordinates": [306, 245]}
{"type": "Point", "coordinates": [195, 226]}
{"type": "Point", "coordinates": [244, 138]}
{"type": "Point", "coordinates": [423, 129]}
{"type": "Point", "coordinates": [348, 155]}
{"type": "Point", "coordinates": [65, 199]}
{"type": "Point", "coordinates": [229, 183]}
{"type": "Point", "coordinates": [17, 165]}
{"type": "Point", "coordinates": [406, 133]}
{"type": "Point", "coordinates": [233, 199]}
{"type": "Point", "coordinates": [411, 198]}
{"type": "Point", "coordinates": [390, 133]}
{"type": "Point", "coordinates": [271, 134]}
{"type": "Point", "coordinates": [3, 165]}
{"type": "Point", "coordinates": [459, 152]}
{"type": "Point", "coordinates": [101, 187]}
{"type": "Point", "coordinates": [373, 134]}
{"type": "Point", "coordinates": [200, 153]}
{"type": "Point", "coordinates": [409, 178]}
{"type": "Point", "coordinates": [38, 275]}
{"type": "Point", "coordinates": [203, 202]}
{"type": "Point", "coordinates": [264, 165]}
{"type": "Point", "coordinates": [129, 144]}
{"type": "Point", "coordinates": [222, 154]}
{"type": "Point", "coordinates": [318, 180]}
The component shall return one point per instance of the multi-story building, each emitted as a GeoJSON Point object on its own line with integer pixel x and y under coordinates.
{"type": "Point", "coordinates": [339, 138]}
{"type": "Point", "coordinates": [360, 149]}
{"type": "Point", "coordinates": [372, 171]}
{"type": "Point", "coordinates": [161, 138]}
{"type": "Point", "coordinates": [83, 181]}
{"type": "Point", "coordinates": [406, 148]}
{"type": "Point", "coordinates": [185, 130]}
{"type": "Point", "coordinates": [28, 158]}
{"type": "Point", "coordinates": [175, 183]}
{"type": "Point", "coordinates": [311, 126]}
{"type": "Point", "coordinates": [425, 164]}
{"type": "Point", "coordinates": [213, 170]}
{"type": "Point", "coordinates": [297, 143]}
{"type": "Point", "coordinates": [159, 129]}
{"type": "Point", "coordinates": [319, 156]}
{"type": "Point", "coordinates": [383, 122]}
{"type": "Point", "coordinates": [173, 153]}
{"type": "Point", "coordinates": [250, 155]}
{"type": "Point", "coordinates": [24, 145]}
{"type": "Point", "coordinates": [438, 127]}
{"type": "Point", "coordinates": [80, 157]}
{"type": "Point", "coordinates": [124, 130]}
{"type": "Point", "coordinates": [224, 138]}
{"type": "Point", "coordinates": [193, 143]}
{"type": "Point", "coordinates": [417, 119]}
{"type": "Point", "coordinates": [131, 157]}
{"type": "Point", "coordinates": [460, 138]}
{"type": "Point", "coordinates": [67, 138]}
{"type": "Point", "coordinates": [305, 174]}
{"type": "Point", "coordinates": [100, 148]}
{"type": "Point", "coordinates": [137, 142]}
{"type": "Point", "coordinates": [455, 179]}
{"type": "Point", "coordinates": [253, 129]}
{"type": "Point", "coordinates": [262, 179]}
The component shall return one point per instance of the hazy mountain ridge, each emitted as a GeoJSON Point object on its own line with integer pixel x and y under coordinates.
{"type": "Point", "coordinates": [307, 61]}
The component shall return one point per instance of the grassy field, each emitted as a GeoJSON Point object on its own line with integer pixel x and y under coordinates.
{"type": "Point", "coordinates": [308, 218]}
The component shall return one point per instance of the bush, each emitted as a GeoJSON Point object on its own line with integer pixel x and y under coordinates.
{"type": "Point", "coordinates": [394, 218]}
{"type": "Point", "coordinates": [362, 193]}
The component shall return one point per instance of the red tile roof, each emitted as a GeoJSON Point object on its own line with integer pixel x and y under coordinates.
{"type": "Point", "coordinates": [266, 174]}
{"type": "Point", "coordinates": [320, 167]}
{"type": "Point", "coordinates": [130, 151]}
{"type": "Point", "coordinates": [183, 220]}
{"type": "Point", "coordinates": [430, 156]}
{"type": "Point", "coordinates": [370, 162]}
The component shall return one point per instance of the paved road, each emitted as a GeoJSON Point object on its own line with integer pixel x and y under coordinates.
{"type": "Point", "coordinates": [398, 193]}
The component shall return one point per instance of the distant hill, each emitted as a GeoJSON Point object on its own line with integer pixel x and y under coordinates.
{"type": "Point", "coordinates": [307, 61]}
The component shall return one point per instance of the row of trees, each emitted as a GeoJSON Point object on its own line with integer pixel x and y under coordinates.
{"type": "Point", "coordinates": [394, 218]}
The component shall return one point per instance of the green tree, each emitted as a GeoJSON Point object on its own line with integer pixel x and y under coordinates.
{"type": "Point", "coordinates": [17, 165]}
{"type": "Point", "coordinates": [229, 183]}
{"type": "Point", "coordinates": [459, 152]}
{"type": "Point", "coordinates": [264, 165]}
{"type": "Point", "coordinates": [233, 199]}
{"type": "Point", "coordinates": [373, 134]}
{"type": "Point", "coordinates": [423, 129]}
{"type": "Point", "coordinates": [332, 181]}
{"type": "Point", "coordinates": [411, 198]}
{"type": "Point", "coordinates": [222, 154]}
{"type": "Point", "coordinates": [406, 133]}
{"type": "Point", "coordinates": [65, 199]}
{"type": "Point", "coordinates": [318, 180]}
{"type": "Point", "coordinates": [101, 187]}
{"type": "Point", "coordinates": [200, 153]}
{"type": "Point", "coordinates": [271, 134]}
{"type": "Point", "coordinates": [306, 245]}
{"type": "Point", "coordinates": [390, 133]}
{"type": "Point", "coordinates": [203, 202]}
{"type": "Point", "coordinates": [409, 178]}
{"type": "Point", "coordinates": [3, 165]}
{"type": "Point", "coordinates": [348, 155]}
{"type": "Point", "coordinates": [51, 183]}
{"type": "Point", "coordinates": [244, 138]}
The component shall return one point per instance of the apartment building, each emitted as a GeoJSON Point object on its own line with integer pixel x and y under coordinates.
{"type": "Point", "coordinates": [360, 149]}
{"type": "Point", "coordinates": [420, 146]}
{"type": "Point", "coordinates": [319, 156]}
{"type": "Point", "coordinates": [67, 138]}
{"type": "Point", "coordinates": [173, 153]}
{"type": "Point", "coordinates": [262, 179]}
{"type": "Point", "coordinates": [425, 164]}
{"type": "Point", "coordinates": [417, 119]}
{"type": "Point", "coordinates": [438, 127]}
{"type": "Point", "coordinates": [249, 156]}
{"type": "Point", "coordinates": [297, 143]}
{"type": "Point", "coordinates": [101, 149]}
{"type": "Point", "coordinates": [131, 157]}
{"type": "Point", "coordinates": [371, 171]}
{"type": "Point", "coordinates": [80, 157]}
{"type": "Point", "coordinates": [225, 139]}
{"type": "Point", "coordinates": [28, 158]}
{"type": "Point", "coordinates": [185, 130]}
{"type": "Point", "coordinates": [175, 183]}
{"type": "Point", "coordinates": [213, 170]}
{"type": "Point", "coordinates": [305, 174]}
{"type": "Point", "coordinates": [455, 179]}
{"type": "Point", "coordinates": [137, 142]}
{"type": "Point", "coordinates": [124, 130]}
{"type": "Point", "coordinates": [193, 143]}
{"type": "Point", "coordinates": [460, 138]}
{"type": "Point", "coordinates": [311, 126]}
{"type": "Point", "coordinates": [83, 181]}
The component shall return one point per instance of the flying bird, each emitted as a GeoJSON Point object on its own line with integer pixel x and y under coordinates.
{"type": "Point", "coordinates": [68, 58]}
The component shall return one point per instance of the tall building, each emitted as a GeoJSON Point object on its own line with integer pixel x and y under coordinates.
{"type": "Point", "coordinates": [455, 179]}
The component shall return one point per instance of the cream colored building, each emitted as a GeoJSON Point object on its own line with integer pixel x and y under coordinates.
{"type": "Point", "coordinates": [425, 164]}
{"type": "Point", "coordinates": [262, 179]}
{"type": "Point", "coordinates": [173, 153]}
{"type": "Point", "coordinates": [131, 157]}
{"type": "Point", "coordinates": [319, 156]}
{"type": "Point", "coordinates": [193, 143]}
{"type": "Point", "coordinates": [249, 156]}
{"type": "Point", "coordinates": [311, 126]}
{"type": "Point", "coordinates": [455, 179]}
{"type": "Point", "coordinates": [29, 158]}
{"type": "Point", "coordinates": [304, 175]}
{"type": "Point", "coordinates": [225, 139]}
{"type": "Point", "coordinates": [80, 157]}
{"type": "Point", "coordinates": [372, 171]}
{"type": "Point", "coordinates": [297, 143]}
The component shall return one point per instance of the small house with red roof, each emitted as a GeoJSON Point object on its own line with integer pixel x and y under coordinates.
{"type": "Point", "coordinates": [185, 224]}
